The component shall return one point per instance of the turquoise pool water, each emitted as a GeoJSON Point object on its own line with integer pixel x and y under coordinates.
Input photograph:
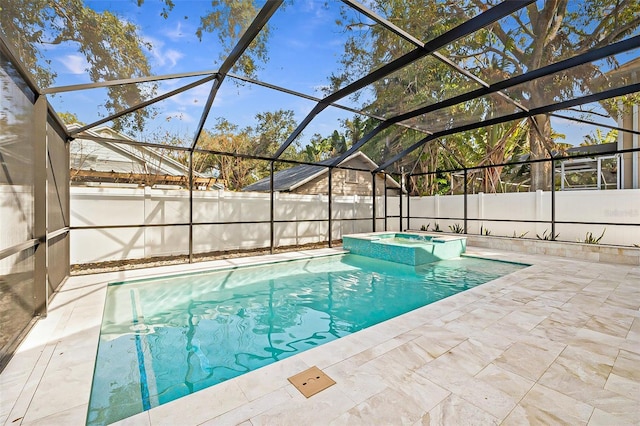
{"type": "Point", "coordinates": [162, 339]}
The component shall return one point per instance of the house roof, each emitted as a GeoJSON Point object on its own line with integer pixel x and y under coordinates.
{"type": "Point", "coordinates": [99, 160]}
{"type": "Point", "coordinates": [593, 149]}
{"type": "Point", "coordinates": [290, 179]}
{"type": "Point", "coordinates": [161, 164]}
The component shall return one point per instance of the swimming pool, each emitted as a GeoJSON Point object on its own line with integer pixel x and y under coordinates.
{"type": "Point", "coordinates": [165, 338]}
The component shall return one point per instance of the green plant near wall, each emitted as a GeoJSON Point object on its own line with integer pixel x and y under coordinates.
{"type": "Point", "coordinates": [590, 239]}
{"type": "Point", "coordinates": [520, 235]}
{"type": "Point", "coordinates": [484, 231]}
{"type": "Point", "coordinates": [425, 228]}
{"type": "Point", "coordinates": [548, 237]}
{"type": "Point", "coordinates": [436, 228]}
{"type": "Point", "coordinates": [457, 228]}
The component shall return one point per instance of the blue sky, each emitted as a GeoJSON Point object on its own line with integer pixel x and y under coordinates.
{"type": "Point", "coordinates": [304, 49]}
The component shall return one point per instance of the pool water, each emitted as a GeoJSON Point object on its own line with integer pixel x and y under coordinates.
{"type": "Point", "coordinates": [162, 339]}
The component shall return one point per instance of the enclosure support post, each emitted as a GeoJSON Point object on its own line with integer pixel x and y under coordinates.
{"type": "Point", "coordinates": [408, 187]}
{"type": "Point", "coordinates": [553, 199]}
{"type": "Point", "coordinates": [191, 206]}
{"type": "Point", "coordinates": [400, 198]}
{"type": "Point", "coordinates": [466, 191]}
{"type": "Point", "coordinates": [373, 201]}
{"type": "Point", "coordinates": [271, 208]}
{"type": "Point", "coordinates": [329, 207]}
{"type": "Point", "coordinates": [384, 175]}
{"type": "Point", "coordinates": [40, 166]}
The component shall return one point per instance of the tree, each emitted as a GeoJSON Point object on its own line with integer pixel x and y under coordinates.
{"type": "Point", "coordinates": [69, 118]}
{"type": "Point", "coordinates": [115, 53]}
{"type": "Point", "coordinates": [598, 137]}
{"type": "Point", "coordinates": [272, 129]}
{"type": "Point", "coordinates": [529, 39]}
{"type": "Point", "coordinates": [318, 149]}
{"type": "Point", "coordinates": [539, 36]}
{"type": "Point", "coordinates": [237, 172]}
{"type": "Point", "coordinates": [113, 47]}
{"type": "Point", "coordinates": [262, 140]}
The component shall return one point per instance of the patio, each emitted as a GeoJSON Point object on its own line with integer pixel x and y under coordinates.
{"type": "Point", "coordinates": [555, 343]}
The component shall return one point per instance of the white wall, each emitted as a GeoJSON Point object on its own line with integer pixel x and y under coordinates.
{"type": "Point", "coordinates": [125, 206]}
{"type": "Point", "coordinates": [613, 206]}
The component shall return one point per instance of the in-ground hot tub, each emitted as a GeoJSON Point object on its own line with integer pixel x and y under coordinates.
{"type": "Point", "coordinates": [405, 247]}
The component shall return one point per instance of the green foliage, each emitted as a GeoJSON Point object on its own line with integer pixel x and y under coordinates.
{"type": "Point", "coordinates": [321, 148]}
{"type": "Point", "coordinates": [598, 138]}
{"type": "Point", "coordinates": [436, 228]}
{"type": "Point", "coordinates": [540, 34]}
{"type": "Point", "coordinates": [114, 48]}
{"type": "Point", "coordinates": [69, 118]}
{"type": "Point", "coordinates": [456, 228]}
{"type": "Point", "coordinates": [547, 237]}
{"type": "Point", "coordinates": [263, 139]}
{"type": "Point", "coordinates": [521, 235]}
{"type": "Point", "coordinates": [484, 231]}
{"type": "Point", "coordinates": [590, 239]}
{"type": "Point", "coordinates": [425, 228]}
{"type": "Point", "coordinates": [228, 19]}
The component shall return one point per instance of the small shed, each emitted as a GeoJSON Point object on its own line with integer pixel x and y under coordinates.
{"type": "Point", "coordinates": [311, 179]}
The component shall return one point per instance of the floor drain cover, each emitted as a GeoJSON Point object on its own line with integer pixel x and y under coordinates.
{"type": "Point", "coordinates": [311, 381]}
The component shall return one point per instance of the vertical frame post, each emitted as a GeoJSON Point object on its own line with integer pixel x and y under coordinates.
{"type": "Point", "coordinates": [553, 199]}
{"type": "Point", "coordinates": [384, 175]}
{"type": "Point", "coordinates": [271, 208]}
{"type": "Point", "coordinates": [191, 206]}
{"type": "Point", "coordinates": [409, 186]}
{"type": "Point", "coordinates": [400, 199]}
{"type": "Point", "coordinates": [40, 167]}
{"type": "Point", "coordinates": [330, 208]}
{"type": "Point", "coordinates": [373, 201]}
{"type": "Point", "coordinates": [466, 192]}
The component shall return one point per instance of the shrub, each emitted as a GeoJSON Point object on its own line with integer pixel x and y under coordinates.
{"type": "Point", "coordinates": [590, 239]}
{"type": "Point", "coordinates": [456, 228]}
{"type": "Point", "coordinates": [549, 237]}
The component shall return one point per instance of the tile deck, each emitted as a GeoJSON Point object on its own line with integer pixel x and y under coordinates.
{"type": "Point", "coordinates": [555, 343]}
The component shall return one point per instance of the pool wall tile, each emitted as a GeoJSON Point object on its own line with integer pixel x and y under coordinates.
{"type": "Point", "coordinates": [418, 249]}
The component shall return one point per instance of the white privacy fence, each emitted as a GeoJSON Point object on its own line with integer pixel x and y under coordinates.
{"type": "Point", "coordinates": [119, 212]}
{"type": "Point", "coordinates": [520, 213]}
{"type": "Point", "coordinates": [302, 219]}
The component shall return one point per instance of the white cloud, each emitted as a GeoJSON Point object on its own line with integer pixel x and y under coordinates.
{"type": "Point", "coordinates": [194, 97]}
{"type": "Point", "coordinates": [76, 64]}
{"type": "Point", "coordinates": [168, 57]}
{"type": "Point", "coordinates": [177, 33]}
{"type": "Point", "coordinates": [173, 56]}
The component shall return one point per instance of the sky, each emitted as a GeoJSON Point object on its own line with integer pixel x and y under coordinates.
{"type": "Point", "coordinates": [304, 49]}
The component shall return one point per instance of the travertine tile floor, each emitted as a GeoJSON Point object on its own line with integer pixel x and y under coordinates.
{"type": "Point", "coordinates": [555, 343]}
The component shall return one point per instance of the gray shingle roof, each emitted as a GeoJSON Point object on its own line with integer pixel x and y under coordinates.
{"type": "Point", "coordinates": [288, 179]}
